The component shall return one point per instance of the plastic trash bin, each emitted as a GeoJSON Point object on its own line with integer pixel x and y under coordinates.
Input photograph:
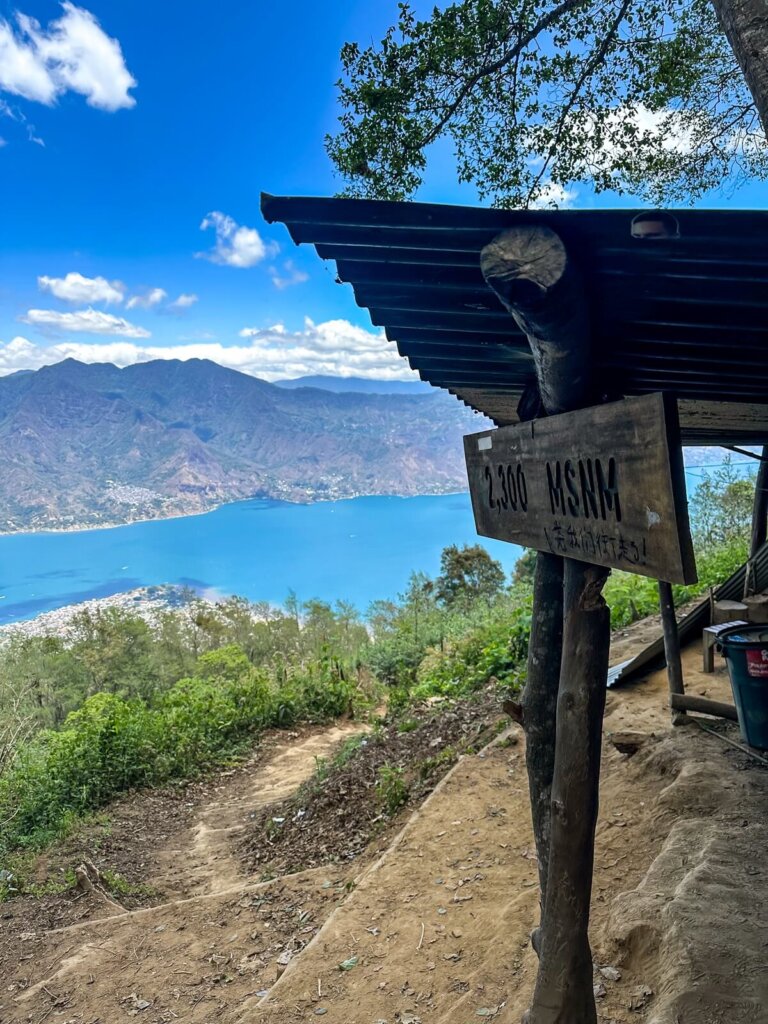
{"type": "Point", "coordinates": [746, 651]}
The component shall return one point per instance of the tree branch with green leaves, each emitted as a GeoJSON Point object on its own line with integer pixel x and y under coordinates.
{"type": "Point", "coordinates": [534, 96]}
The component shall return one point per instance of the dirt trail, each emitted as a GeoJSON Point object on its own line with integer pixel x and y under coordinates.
{"type": "Point", "coordinates": [204, 862]}
{"type": "Point", "coordinates": [436, 931]}
{"type": "Point", "coordinates": [213, 940]}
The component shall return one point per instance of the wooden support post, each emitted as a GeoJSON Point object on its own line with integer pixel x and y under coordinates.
{"type": "Point", "coordinates": [759, 521]}
{"type": "Point", "coordinates": [564, 988]}
{"type": "Point", "coordinates": [529, 269]}
{"type": "Point", "coordinates": [671, 646]}
{"type": "Point", "coordinates": [539, 702]}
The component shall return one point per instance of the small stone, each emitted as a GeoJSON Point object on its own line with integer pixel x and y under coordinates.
{"type": "Point", "coordinates": [599, 990]}
{"type": "Point", "coordinates": [641, 998]}
{"type": "Point", "coordinates": [611, 973]}
{"type": "Point", "coordinates": [320, 1011]}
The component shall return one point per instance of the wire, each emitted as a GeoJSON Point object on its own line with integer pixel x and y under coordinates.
{"type": "Point", "coordinates": [733, 743]}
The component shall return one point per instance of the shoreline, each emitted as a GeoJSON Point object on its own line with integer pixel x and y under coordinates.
{"type": "Point", "coordinates": [147, 602]}
{"type": "Point", "coordinates": [54, 530]}
{"type": "Point", "coordinates": [87, 528]}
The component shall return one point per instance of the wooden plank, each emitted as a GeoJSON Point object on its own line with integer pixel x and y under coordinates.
{"type": "Point", "coordinates": [671, 646]}
{"type": "Point", "coordinates": [730, 422]}
{"type": "Point", "coordinates": [603, 485]}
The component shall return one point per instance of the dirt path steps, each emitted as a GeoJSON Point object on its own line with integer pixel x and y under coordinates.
{"type": "Point", "coordinates": [437, 931]}
{"type": "Point", "coordinates": [199, 955]}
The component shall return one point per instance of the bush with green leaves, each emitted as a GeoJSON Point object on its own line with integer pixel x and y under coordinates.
{"type": "Point", "coordinates": [113, 744]}
{"type": "Point", "coordinates": [496, 650]}
{"type": "Point", "coordinates": [391, 789]}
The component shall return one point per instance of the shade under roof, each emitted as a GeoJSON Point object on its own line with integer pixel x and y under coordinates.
{"type": "Point", "coordinates": [686, 315]}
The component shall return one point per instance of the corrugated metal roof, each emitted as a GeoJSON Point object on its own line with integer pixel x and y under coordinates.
{"type": "Point", "coordinates": [687, 315]}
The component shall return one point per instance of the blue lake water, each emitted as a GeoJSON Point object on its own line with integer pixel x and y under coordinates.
{"type": "Point", "coordinates": [358, 550]}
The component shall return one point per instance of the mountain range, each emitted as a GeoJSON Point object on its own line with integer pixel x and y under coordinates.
{"type": "Point", "coordinates": [359, 384]}
{"type": "Point", "coordinates": [92, 444]}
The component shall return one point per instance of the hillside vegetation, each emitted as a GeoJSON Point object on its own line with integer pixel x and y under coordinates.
{"type": "Point", "coordinates": [118, 704]}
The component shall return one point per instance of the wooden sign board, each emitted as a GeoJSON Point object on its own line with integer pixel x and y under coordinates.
{"type": "Point", "coordinates": [603, 485]}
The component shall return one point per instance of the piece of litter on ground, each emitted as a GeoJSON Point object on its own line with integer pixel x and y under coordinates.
{"type": "Point", "coordinates": [347, 965]}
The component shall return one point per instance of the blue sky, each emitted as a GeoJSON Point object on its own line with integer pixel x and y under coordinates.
{"type": "Point", "coordinates": [127, 125]}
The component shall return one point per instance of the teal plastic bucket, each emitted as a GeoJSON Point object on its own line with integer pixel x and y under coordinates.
{"type": "Point", "coordinates": [746, 651]}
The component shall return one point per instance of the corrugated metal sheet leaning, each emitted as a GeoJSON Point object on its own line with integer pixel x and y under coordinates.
{"type": "Point", "coordinates": [691, 625]}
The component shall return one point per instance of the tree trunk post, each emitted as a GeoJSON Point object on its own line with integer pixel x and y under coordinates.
{"type": "Point", "coordinates": [745, 23]}
{"type": "Point", "coordinates": [539, 702]}
{"type": "Point", "coordinates": [564, 991]}
{"type": "Point", "coordinates": [671, 647]}
{"type": "Point", "coordinates": [563, 703]}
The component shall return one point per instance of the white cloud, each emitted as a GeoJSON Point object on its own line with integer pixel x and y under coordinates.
{"type": "Point", "coordinates": [84, 321]}
{"type": "Point", "coordinates": [291, 275]}
{"type": "Point", "coordinates": [551, 196]}
{"type": "Point", "coordinates": [19, 354]}
{"type": "Point", "coordinates": [336, 347]}
{"type": "Point", "coordinates": [151, 298]}
{"type": "Point", "coordinates": [6, 110]}
{"type": "Point", "coordinates": [236, 245]}
{"type": "Point", "coordinates": [184, 301]}
{"type": "Point", "coordinates": [72, 54]}
{"type": "Point", "coordinates": [74, 287]}
{"type": "Point", "coordinates": [22, 72]}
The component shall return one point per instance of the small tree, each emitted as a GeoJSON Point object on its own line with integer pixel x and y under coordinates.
{"type": "Point", "coordinates": [468, 574]}
{"type": "Point", "coordinates": [721, 507]}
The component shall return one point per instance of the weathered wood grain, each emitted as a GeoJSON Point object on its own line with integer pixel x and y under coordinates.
{"type": "Point", "coordinates": [530, 271]}
{"type": "Point", "coordinates": [604, 485]}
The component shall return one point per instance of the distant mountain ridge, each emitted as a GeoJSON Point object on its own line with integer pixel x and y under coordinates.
{"type": "Point", "coordinates": [92, 444]}
{"type": "Point", "coordinates": [362, 385]}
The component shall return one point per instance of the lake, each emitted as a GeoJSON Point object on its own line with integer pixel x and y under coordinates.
{"type": "Point", "coordinates": [357, 550]}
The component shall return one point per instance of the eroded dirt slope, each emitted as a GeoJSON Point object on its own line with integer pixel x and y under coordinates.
{"type": "Point", "coordinates": [437, 931]}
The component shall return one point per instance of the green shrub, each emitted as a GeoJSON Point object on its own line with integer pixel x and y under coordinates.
{"type": "Point", "coordinates": [391, 789]}
{"type": "Point", "coordinates": [494, 651]}
{"type": "Point", "coordinates": [112, 744]}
